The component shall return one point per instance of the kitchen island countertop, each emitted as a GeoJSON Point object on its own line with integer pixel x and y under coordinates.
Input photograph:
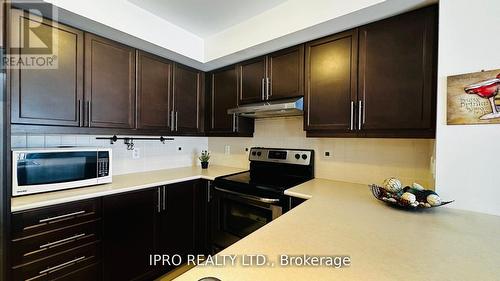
{"type": "Point", "coordinates": [122, 183]}
{"type": "Point", "coordinates": [383, 243]}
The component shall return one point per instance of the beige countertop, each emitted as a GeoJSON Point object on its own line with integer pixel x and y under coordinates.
{"type": "Point", "coordinates": [383, 243]}
{"type": "Point", "coordinates": [121, 183]}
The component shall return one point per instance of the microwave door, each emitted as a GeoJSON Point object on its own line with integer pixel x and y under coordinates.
{"type": "Point", "coordinates": [39, 172]}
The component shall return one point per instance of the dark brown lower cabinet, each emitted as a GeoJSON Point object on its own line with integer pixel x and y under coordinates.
{"type": "Point", "coordinates": [60, 242]}
{"type": "Point", "coordinates": [162, 220]}
{"type": "Point", "coordinates": [177, 220]}
{"type": "Point", "coordinates": [130, 234]}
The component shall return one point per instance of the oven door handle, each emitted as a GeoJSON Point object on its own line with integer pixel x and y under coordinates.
{"type": "Point", "coordinates": [249, 197]}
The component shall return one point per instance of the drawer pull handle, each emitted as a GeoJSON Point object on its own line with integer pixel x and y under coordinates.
{"type": "Point", "coordinates": [62, 216]}
{"type": "Point", "coordinates": [62, 241]}
{"type": "Point", "coordinates": [48, 270]}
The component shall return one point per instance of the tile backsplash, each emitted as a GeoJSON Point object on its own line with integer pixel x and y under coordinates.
{"type": "Point", "coordinates": [355, 160]}
{"type": "Point", "coordinates": [153, 155]}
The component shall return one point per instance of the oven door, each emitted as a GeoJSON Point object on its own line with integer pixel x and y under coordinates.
{"type": "Point", "coordinates": [236, 215]}
{"type": "Point", "coordinates": [42, 171]}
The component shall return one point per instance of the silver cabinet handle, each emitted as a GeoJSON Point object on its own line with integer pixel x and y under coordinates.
{"type": "Point", "coordinates": [352, 115]}
{"type": "Point", "coordinates": [62, 241]}
{"type": "Point", "coordinates": [234, 122]}
{"type": "Point", "coordinates": [79, 113]}
{"type": "Point", "coordinates": [89, 111]}
{"type": "Point", "coordinates": [164, 198]}
{"type": "Point", "coordinates": [208, 191]}
{"type": "Point", "coordinates": [61, 265]}
{"type": "Point", "coordinates": [249, 197]}
{"type": "Point", "coordinates": [172, 118]}
{"type": "Point", "coordinates": [176, 120]}
{"type": "Point", "coordinates": [263, 89]}
{"type": "Point", "coordinates": [158, 205]}
{"type": "Point", "coordinates": [61, 216]}
{"type": "Point", "coordinates": [360, 113]}
{"type": "Point", "coordinates": [268, 88]}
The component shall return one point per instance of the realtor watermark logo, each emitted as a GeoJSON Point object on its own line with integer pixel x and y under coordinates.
{"type": "Point", "coordinates": [33, 43]}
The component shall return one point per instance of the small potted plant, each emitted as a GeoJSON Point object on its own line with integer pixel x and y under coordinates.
{"type": "Point", "coordinates": [204, 157]}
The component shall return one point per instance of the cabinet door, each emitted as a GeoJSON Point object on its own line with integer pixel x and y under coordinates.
{"type": "Point", "coordinates": [154, 84]}
{"type": "Point", "coordinates": [331, 79]}
{"type": "Point", "coordinates": [202, 230]}
{"type": "Point", "coordinates": [186, 98]}
{"type": "Point", "coordinates": [177, 234]}
{"type": "Point", "coordinates": [252, 75]}
{"type": "Point", "coordinates": [48, 96]}
{"type": "Point", "coordinates": [223, 87]}
{"type": "Point", "coordinates": [286, 73]}
{"type": "Point", "coordinates": [109, 83]}
{"type": "Point", "coordinates": [129, 234]}
{"type": "Point", "coordinates": [397, 73]}
{"type": "Point", "coordinates": [223, 96]}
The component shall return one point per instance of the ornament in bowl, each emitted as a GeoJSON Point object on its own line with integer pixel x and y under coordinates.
{"type": "Point", "coordinates": [409, 197]}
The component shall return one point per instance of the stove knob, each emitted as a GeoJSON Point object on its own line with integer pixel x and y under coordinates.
{"type": "Point", "coordinates": [297, 156]}
{"type": "Point", "coordinates": [259, 153]}
{"type": "Point", "coordinates": [254, 153]}
{"type": "Point", "coordinates": [304, 156]}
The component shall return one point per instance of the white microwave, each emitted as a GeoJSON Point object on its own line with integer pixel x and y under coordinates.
{"type": "Point", "coordinates": [44, 170]}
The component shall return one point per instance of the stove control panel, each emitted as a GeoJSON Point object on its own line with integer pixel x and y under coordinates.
{"type": "Point", "coordinates": [287, 156]}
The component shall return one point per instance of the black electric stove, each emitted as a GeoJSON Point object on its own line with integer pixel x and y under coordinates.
{"type": "Point", "coordinates": [272, 171]}
{"type": "Point", "coordinates": [246, 201]}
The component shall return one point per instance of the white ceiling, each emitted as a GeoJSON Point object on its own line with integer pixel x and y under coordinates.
{"type": "Point", "coordinates": [208, 34]}
{"type": "Point", "coordinates": [206, 17]}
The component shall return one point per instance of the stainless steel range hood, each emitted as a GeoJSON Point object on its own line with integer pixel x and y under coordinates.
{"type": "Point", "coordinates": [279, 108]}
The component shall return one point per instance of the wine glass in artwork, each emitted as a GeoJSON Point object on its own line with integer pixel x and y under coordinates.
{"type": "Point", "coordinates": [487, 89]}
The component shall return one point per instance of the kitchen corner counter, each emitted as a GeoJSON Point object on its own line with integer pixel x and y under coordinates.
{"type": "Point", "coordinates": [383, 243]}
{"type": "Point", "coordinates": [121, 183]}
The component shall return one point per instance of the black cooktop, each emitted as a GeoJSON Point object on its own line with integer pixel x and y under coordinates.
{"type": "Point", "coordinates": [272, 171]}
{"type": "Point", "coordinates": [246, 182]}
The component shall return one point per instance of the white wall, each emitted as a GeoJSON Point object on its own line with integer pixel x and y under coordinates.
{"type": "Point", "coordinates": [467, 157]}
{"type": "Point", "coordinates": [153, 154]}
{"type": "Point", "coordinates": [354, 160]}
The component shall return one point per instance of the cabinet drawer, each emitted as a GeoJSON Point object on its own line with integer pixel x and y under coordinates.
{"type": "Point", "coordinates": [58, 266]}
{"type": "Point", "coordinates": [43, 219]}
{"type": "Point", "coordinates": [48, 243]}
{"type": "Point", "coordinates": [91, 272]}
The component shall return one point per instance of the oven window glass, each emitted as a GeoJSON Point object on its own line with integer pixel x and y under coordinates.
{"type": "Point", "coordinates": [241, 219]}
{"type": "Point", "coordinates": [56, 167]}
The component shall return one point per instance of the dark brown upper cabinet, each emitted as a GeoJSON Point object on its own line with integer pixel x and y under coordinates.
{"type": "Point", "coordinates": [109, 83]}
{"type": "Point", "coordinates": [222, 95]}
{"type": "Point", "coordinates": [395, 94]}
{"type": "Point", "coordinates": [286, 73]}
{"type": "Point", "coordinates": [187, 99]}
{"type": "Point", "coordinates": [331, 81]}
{"type": "Point", "coordinates": [275, 76]}
{"type": "Point", "coordinates": [252, 80]}
{"type": "Point", "coordinates": [397, 73]}
{"type": "Point", "coordinates": [50, 96]}
{"type": "Point", "coordinates": [154, 88]}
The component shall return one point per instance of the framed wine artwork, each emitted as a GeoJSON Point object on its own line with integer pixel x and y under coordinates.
{"type": "Point", "coordinates": [474, 98]}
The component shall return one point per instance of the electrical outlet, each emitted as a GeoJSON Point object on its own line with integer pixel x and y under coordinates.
{"type": "Point", "coordinates": [227, 149]}
{"type": "Point", "coordinates": [327, 154]}
{"type": "Point", "coordinates": [136, 153]}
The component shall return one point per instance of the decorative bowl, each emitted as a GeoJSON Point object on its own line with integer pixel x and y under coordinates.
{"type": "Point", "coordinates": [396, 200]}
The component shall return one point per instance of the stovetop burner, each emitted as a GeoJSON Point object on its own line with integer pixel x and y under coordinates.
{"type": "Point", "coordinates": [272, 171]}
